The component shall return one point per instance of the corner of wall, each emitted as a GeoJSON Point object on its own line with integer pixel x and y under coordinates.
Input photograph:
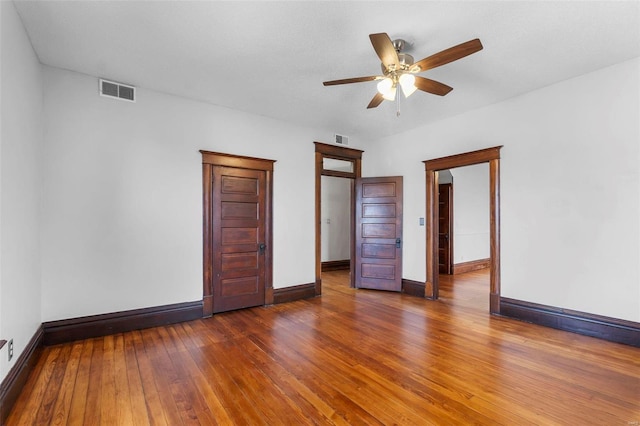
{"type": "Point", "coordinates": [21, 136]}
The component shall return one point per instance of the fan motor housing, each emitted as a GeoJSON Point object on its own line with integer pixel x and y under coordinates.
{"type": "Point", "coordinates": [405, 59]}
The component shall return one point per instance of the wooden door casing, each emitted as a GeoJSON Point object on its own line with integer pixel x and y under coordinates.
{"type": "Point", "coordinates": [488, 155]}
{"type": "Point", "coordinates": [338, 153]}
{"type": "Point", "coordinates": [445, 234]}
{"type": "Point", "coordinates": [237, 218]}
{"type": "Point", "coordinates": [378, 262]}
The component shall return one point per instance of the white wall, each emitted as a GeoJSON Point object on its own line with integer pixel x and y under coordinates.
{"type": "Point", "coordinates": [569, 188]}
{"type": "Point", "coordinates": [336, 218]}
{"type": "Point", "coordinates": [470, 213]}
{"type": "Point", "coordinates": [445, 176]}
{"type": "Point", "coordinates": [122, 198]}
{"type": "Point", "coordinates": [20, 181]}
{"type": "Point", "coordinates": [3, 369]}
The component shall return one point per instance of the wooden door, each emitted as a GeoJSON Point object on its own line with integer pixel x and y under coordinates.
{"type": "Point", "coordinates": [445, 234]}
{"type": "Point", "coordinates": [239, 241]}
{"type": "Point", "coordinates": [378, 263]}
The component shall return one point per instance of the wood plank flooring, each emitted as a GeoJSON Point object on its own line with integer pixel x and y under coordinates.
{"type": "Point", "coordinates": [348, 357]}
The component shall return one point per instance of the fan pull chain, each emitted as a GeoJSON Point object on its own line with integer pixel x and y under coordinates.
{"type": "Point", "coordinates": [398, 104]}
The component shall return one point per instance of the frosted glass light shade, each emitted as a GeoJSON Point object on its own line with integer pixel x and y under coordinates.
{"type": "Point", "coordinates": [390, 95]}
{"type": "Point", "coordinates": [387, 89]}
{"type": "Point", "coordinates": [385, 85]}
{"type": "Point", "coordinates": [408, 84]}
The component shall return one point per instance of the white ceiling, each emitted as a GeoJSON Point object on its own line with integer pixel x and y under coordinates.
{"type": "Point", "coordinates": [270, 58]}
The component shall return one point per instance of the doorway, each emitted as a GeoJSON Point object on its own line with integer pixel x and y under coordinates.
{"type": "Point", "coordinates": [336, 223]}
{"type": "Point", "coordinates": [491, 156]}
{"type": "Point", "coordinates": [375, 231]}
{"type": "Point", "coordinates": [237, 232]}
{"type": "Point", "coordinates": [343, 163]}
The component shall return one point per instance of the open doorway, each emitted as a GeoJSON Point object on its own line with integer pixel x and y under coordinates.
{"type": "Point", "coordinates": [464, 207]}
{"type": "Point", "coordinates": [343, 164]}
{"type": "Point", "coordinates": [336, 223]}
{"type": "Point", "coordinates": [432, 167]}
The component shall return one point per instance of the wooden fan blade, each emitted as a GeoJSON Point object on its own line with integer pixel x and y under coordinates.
{"type": "Point", "coordinates": [377, 100]}
{"type": "Point", "coordinates": [351, 80]}
{"type": "Point", "coordinates": [449, 55]}
{"type": "Point", "coordinates": [432, 86]}
{"type": "Point", "coordinates": [383, 46]}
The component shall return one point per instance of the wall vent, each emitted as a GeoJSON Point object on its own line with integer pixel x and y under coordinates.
{"type": "Point", "coordinates": [120, 91]}
{"type": "Point", "coordinates": [341, 139]}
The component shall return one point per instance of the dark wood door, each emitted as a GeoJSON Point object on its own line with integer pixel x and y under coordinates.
{"type": "Point", "coordinates": [378, 263]}
{"type": "Point", "coordinates": [445, 235]}
{"type": "Point", "coordinates": [239, 244]}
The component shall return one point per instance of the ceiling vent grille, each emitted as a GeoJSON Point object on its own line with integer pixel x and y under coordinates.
{"type": "Point", "coordinates": [341, 139]}
{"type": "Point", "coordinates": [115, 90]}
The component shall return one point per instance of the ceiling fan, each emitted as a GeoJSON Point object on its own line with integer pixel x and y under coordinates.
{"type": "Point", "coordinates": [398, 69]}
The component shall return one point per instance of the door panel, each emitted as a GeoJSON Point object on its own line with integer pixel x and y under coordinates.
{"type": "Point", "coordinates": [379, 210]}
{"type": "Point", "coordinates": [232, 287]}
{"type": "Point", "coordinates": [238, 233]}
{"type": "Point", "coordinates": [378, 263]}
{"type": "Point", "coordinates": [239, 185]}
{"type": "Point", "coordinates": [445, 231]}
{"type": "Point", "coordinates": [231, 261]}
{"type": "Point", "coordinates": [378, 230]}
{"type": "Point", "coordinates": [239, 210]}
{"type": "Point", "coordinates": [378, 189]}
{"type": "Point", "coordinates": [385, 251]}
{"type": "Point", "coordinates": [384, 272]}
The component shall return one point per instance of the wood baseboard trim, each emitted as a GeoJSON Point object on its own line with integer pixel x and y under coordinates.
{"type": "Point", "coordinates": [336, 265]}
{"type": "Point", "coordinates": [606, 328]}
{"type": "Point", "coordinates": [118, 322]}
{"type": "Point", "coordinates": [17, 377]}
{"type": "Point", "coordinates": [293, 293]}
{"type": "Point", "coordinates": [472, 265]}
{"type": "Point", "coordinates": [413, 288]}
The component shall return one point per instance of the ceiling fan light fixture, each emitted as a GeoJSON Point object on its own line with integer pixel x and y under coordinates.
{"type": "Point", "coordinates": [390, 95]}
{"type": "Point", "coordinates": [398, 68]}
{"type": "Point", "coordinates": [387, 89]}
{"type": "Point", "coordinates": [408, 84]}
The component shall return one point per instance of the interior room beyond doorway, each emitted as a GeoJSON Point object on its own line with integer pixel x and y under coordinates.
{"type": "Point", "coordinates": [336, 223]}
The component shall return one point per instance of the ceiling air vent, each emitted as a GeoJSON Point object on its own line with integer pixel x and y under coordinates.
{"type": "Point", "coordinates": [341, 139]}
{"type": "Point", "coordinates": [117, 90]}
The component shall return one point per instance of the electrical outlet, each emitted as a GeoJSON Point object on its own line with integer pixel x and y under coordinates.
{"type": "Point", "coordinates": [10, 349]}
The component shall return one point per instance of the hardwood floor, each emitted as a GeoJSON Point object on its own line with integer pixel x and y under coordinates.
{"type": "Point", "coordinates": [348, 357]}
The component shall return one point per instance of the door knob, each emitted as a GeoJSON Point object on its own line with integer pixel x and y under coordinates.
{"type": "Point", "coordinates": [398, 242]}
{"type": "Point", "coordinates": [262, 247]}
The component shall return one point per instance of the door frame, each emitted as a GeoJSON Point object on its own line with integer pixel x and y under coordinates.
{"type": "Point", "coordinates": [209, 161]}
{"type": "Point", "coordinates": [488, 155]}
{"type": "Point", "coordinates": [354, 156]}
